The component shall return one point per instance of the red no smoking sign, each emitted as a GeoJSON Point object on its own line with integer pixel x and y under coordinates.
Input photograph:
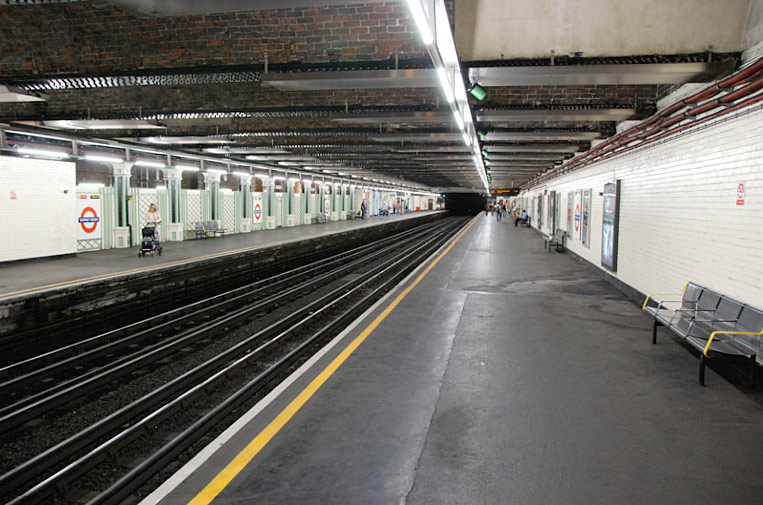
{"type": "Point", "coordinates": [740, 194]}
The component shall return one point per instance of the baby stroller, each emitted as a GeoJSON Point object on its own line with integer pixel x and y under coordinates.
{"type": "Point", "coordinates": [150, 242]}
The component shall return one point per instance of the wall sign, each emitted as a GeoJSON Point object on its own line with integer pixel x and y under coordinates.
{"type": "Point", "coordinates": [610, 223]}
{"type": "Point", "coordinates": [577, 215]}
{"type": "Point", "coordinates": [13, 195]}
{"type": "Point", "coordinates": [256, 209]}
{"type": "Point", "coordinates": [740, 194]}
{"type": "Point", "coordinates": [88, 216]}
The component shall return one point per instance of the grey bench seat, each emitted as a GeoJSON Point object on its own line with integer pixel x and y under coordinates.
{"type": "Point", "coordinates": [206, 229]}
{"type": "Point", "coordinates": [556, 240]}
{"type": "Point", "coordinates": [712, 323]}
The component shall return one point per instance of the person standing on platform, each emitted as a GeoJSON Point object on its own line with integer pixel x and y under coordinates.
{"type": "Point", "coordinates": [153, 219]}
{"type": "Point", "coordinates": [498, 212]}
{"type": "Point", "coordinates": [363, 209]}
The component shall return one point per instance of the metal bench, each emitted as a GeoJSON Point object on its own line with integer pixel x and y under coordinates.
{"type": "Point", "coordinates": [709, 322]}
{"type": "Point", "coordinates": [556, 240]}
{"type": "Point", "coordinates": [206, 229]}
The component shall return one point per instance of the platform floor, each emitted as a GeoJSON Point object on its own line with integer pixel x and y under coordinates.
{"type": "Point", "coordinates": [505, 376]}
{"type": "Point", "coordinates": [31, 275]}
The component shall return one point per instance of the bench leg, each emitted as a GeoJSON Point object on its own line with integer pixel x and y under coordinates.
{"type": "Point", "coordinates": [654, 331]}
{"type": "Point", "coordinates": [753, 367]}
{"type": "Point", "coordinates": [701, 369]}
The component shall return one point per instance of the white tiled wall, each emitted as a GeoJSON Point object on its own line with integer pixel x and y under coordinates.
{"type": "Point", "coordinates": [679, 218]}
{"type": "Point", "coordinates": [41, 220]}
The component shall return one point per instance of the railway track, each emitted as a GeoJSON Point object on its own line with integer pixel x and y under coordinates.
{"type": "Point", "coordinates": [113, 457]}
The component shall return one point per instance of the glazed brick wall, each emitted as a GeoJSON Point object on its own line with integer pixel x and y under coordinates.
{"type": "Point", "coordinates": [40, 221]}
{"type": "Point", "coordinates": [679, 218]}
{"type": "Point", "coordinates": [83, 38]}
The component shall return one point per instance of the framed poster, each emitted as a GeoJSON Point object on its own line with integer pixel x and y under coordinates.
{"type": "Point", "coordinates": [587, 218]}
{"type": "Point", "coordinates": [551, 211]}
{"type": "Point", "coordinates": [609, 225]}
{"type": "Point", "coordinates": [569, 212]}
{"type": "Point", "coordinates": [540, 211]}
{"type": "Point", "coordinates": [576, 215]}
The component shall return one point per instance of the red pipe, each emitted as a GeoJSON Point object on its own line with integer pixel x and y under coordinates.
{"type": "Point", "coordinates": [662, 120]}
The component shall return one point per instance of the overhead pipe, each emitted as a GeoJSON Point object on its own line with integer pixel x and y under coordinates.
{"type": "Point", "coordinates": [659, 126]}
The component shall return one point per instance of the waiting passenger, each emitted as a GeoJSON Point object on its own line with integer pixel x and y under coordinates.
{"type": "Point", "coordinates": [522, 217]}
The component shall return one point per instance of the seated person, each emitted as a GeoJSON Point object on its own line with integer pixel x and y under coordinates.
{"type": "Point", "coordinates": [522, 217]}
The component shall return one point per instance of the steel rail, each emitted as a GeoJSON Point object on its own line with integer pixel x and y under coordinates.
{"type": "Point", "coordinates": [61, 395]}
{"type": "Point", "coordinates": [38, 465]}
{"type": "Point", "coordinates": [124, 486]}
{"type": "Point", "coordinates": [78, 353]}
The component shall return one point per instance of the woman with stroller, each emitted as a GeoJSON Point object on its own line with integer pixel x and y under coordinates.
{"type": "Point", "coordinates": [153, 219]}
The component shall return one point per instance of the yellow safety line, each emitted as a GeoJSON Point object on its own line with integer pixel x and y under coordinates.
{"type": "Point", "coordinates": [243, 458]}
{"type": "Point", "coordinates": [170, 263]}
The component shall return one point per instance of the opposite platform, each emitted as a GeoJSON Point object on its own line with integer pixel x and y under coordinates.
{"type": "Point", "coordinates": [505, 375]}
{"type": "Point", "coordinates": [23, 277]}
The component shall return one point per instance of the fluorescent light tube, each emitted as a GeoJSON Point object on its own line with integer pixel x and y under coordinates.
{"type": "Point", "coordinates": [446, 86]}
{"type": "Point", "coordinates": [152, 164]}
{"type": "Point", "coordinates": [104, 159]}
{"type": "Point", "coordinates": [422, 23]}
{"type": "Point", "coordinates": [42, 152]}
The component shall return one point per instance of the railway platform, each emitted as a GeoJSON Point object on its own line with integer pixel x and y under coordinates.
{"type": "Point", "coordinates": [22, 277]}
{"type": "Point", "coordinates": [496, 373]}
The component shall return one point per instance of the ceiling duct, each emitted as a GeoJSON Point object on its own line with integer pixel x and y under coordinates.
{"type": "Point", "coordinates": [505, 116]}
{"type": "Point", "coordinates": [350, 79]}
{"type": "Point", "coordinates": [575, 75]}
{"type": "Point", "coordinates": [14, 94]}
{"type": "Point", "coordinates": [160, 8]}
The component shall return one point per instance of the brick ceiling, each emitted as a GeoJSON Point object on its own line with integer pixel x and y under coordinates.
{"type": "Point", "coordinates": [201, 75]}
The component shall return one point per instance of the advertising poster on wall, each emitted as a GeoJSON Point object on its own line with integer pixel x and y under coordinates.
{"type": "Point", "coordinates": [551, 210]}
{"type": "Point", "coordinates": [88, 216]}
{"type": "Point", "coordinates": [587, 218]}
{"type": "Point", "coordinates": [577, 214]}
{"type": "Point", "coordinates": [257, 209]}
{"type": "Point", "coordinates": [540, 211]}
{"type": "Point", "coordinates": [610, 218]}
{"type": "Point", "coordinates": [569, 212]}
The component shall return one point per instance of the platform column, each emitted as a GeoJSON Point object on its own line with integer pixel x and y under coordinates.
{"type": "Point", "coordinates": [291, 214]}
{"type": "Point", "coordinates": [245, 188]}
{"type": "Point", "coordinates": [212, 184]}
{"type": "Point", "coordinates": [172, 180]}
{"type": "Point", "coordinates": [268, 185]}
{"type": "Point", "coordinates": [121, 173]}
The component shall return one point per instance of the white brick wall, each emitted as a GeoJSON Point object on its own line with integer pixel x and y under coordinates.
{"type": "Point", "coordinates": [679, 220]}
{"type": "Point", "coordinates": [41, 220]}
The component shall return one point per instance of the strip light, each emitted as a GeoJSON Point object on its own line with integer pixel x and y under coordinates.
{"type": "Point", "coordinates": [42, 152]}
{"type": "Point", "coordinates": [151, 164]}
{"type": "Point", "coordinates": [187, 168]}
{"type": "Point", "coordinates": [104, 159]}
{"type": "Point", "coordinates": [422, 22]}
{"type": "Point", "coordinates": [445, 83]}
